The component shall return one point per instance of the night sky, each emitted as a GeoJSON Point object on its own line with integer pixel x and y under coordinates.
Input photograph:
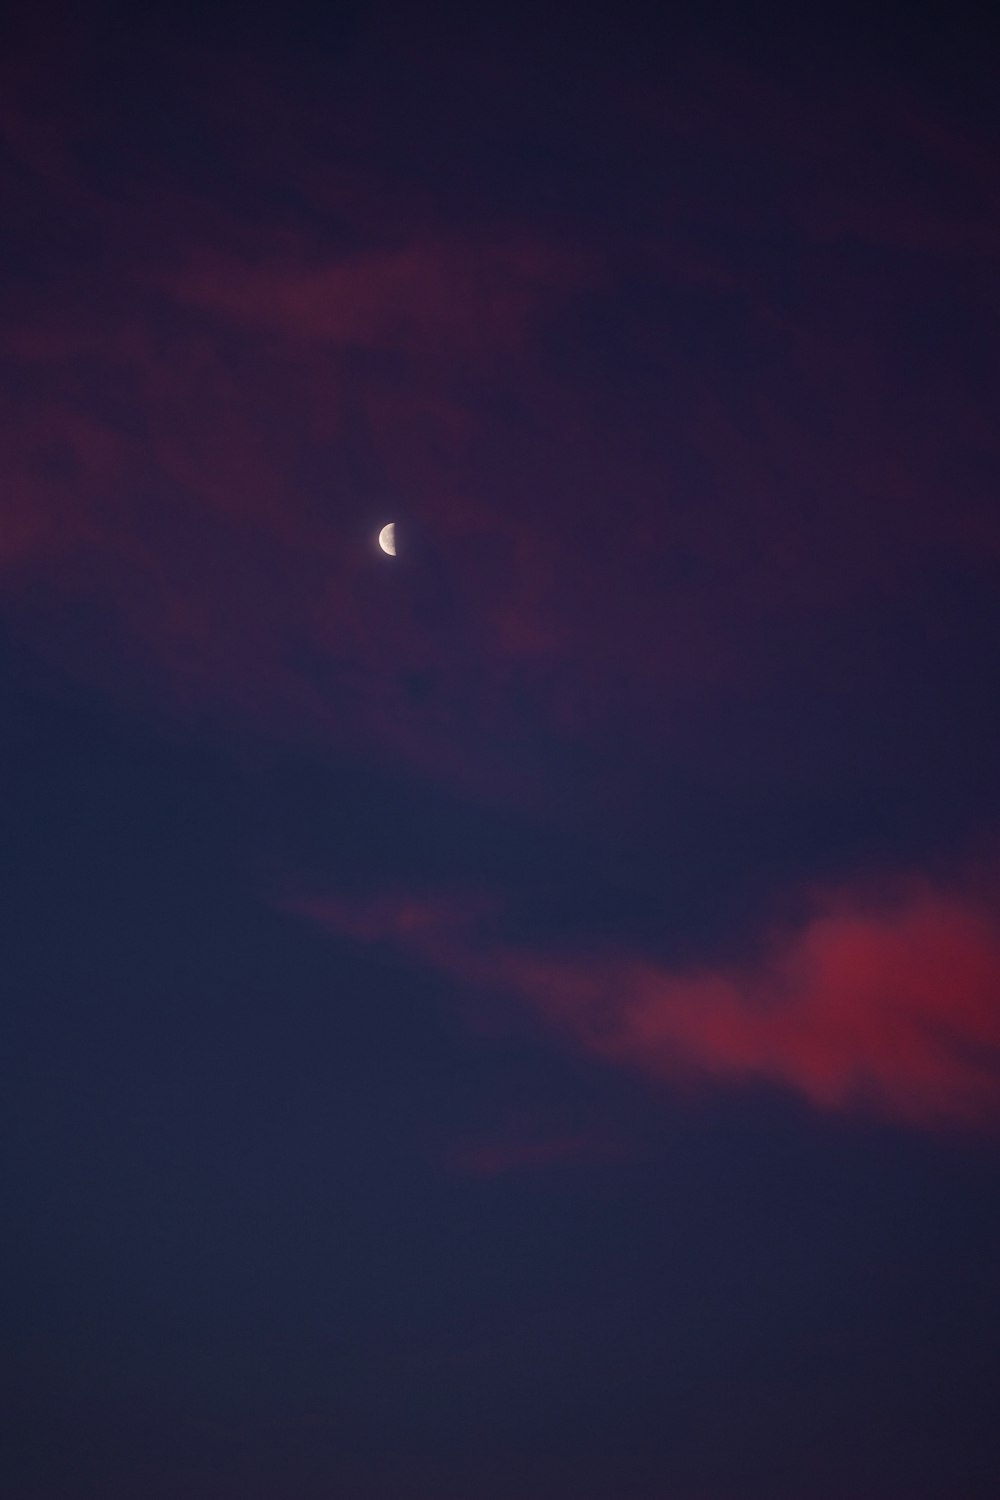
{"type": "Point", "coordinates": [518, 1020]}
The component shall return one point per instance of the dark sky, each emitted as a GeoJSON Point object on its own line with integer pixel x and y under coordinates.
{"type": "Point", "coordinates": [519, 1020]}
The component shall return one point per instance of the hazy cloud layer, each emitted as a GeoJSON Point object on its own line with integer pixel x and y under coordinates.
{"type": "Point", "coordinates": [688, 425]}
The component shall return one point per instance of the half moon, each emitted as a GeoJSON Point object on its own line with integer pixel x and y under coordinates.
{"type": "Point", "coordinates": [387, 539]}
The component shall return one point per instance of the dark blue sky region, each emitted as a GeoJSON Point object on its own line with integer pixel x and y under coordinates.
{"type": "Point", "coordinates": [520, 1018]}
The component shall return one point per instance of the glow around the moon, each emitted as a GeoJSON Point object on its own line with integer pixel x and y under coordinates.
{"type": "Point", "coordinates": [387, 539]}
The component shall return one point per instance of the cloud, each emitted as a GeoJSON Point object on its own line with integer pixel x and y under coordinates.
{"type": "Point", "coordinates": [457, 295]}
{"type": "Point", "coordinates": [888, 1005]}
{"type": "Point", "coordinates": [204, 469]}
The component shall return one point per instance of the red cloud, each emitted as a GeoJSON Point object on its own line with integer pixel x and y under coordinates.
{"type": "Point", "coordinates": [890, 1007]}
{"type": "Point", "coordinates": [458, 295]}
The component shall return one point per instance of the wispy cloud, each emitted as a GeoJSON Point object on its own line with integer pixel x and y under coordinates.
{"type": "Point", "coordinates": [886, 1005]}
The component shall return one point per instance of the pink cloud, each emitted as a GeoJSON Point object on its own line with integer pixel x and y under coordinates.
{"type": "Point", "coordinates": [888, 1006]}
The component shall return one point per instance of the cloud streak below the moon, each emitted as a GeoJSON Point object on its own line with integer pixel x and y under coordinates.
{"type": "Point", "coordinates": [884, 1005]}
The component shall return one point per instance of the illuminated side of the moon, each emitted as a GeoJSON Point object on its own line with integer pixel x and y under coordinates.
{"type": "Point", "coordinates": [387, 539]}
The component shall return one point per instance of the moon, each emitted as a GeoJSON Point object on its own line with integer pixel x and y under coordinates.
{"type": "Point", "coordinates": [387, 539]}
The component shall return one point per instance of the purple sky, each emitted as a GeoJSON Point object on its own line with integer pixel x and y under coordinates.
{"type": "Point", "coordinates": [521, 1018]}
